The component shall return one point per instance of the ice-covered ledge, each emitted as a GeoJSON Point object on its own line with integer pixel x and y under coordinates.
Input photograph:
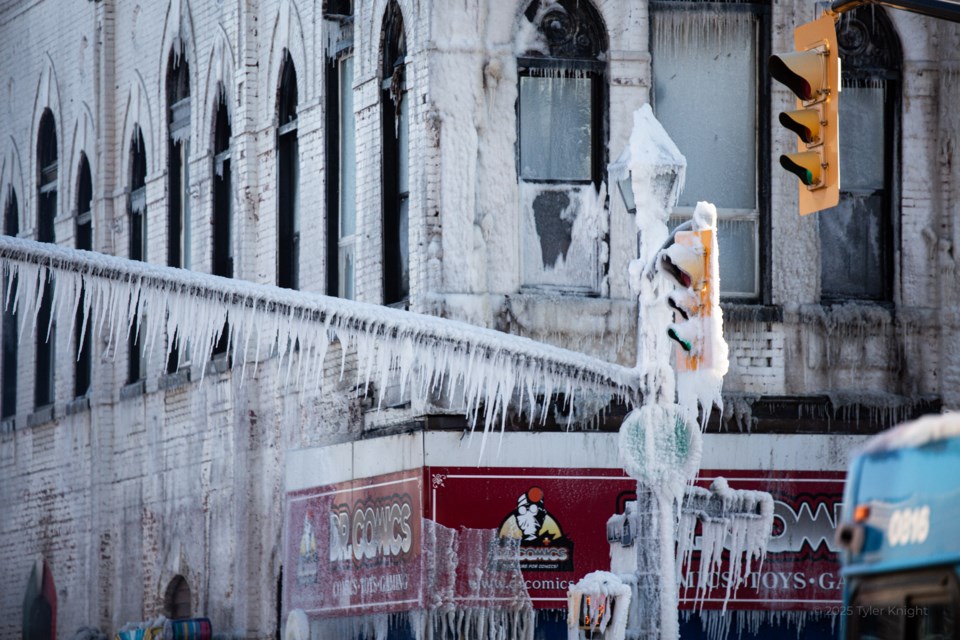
{"type": "Point", "coordinates": [423, 354]}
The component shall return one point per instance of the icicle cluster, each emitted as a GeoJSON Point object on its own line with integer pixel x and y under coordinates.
{"type": "Point", "coordinates": [737, 520]}
{"type": "Point", "coordinates": [166, 306]}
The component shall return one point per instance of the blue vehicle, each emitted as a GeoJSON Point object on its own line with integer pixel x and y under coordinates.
{"type": "Point", "coordinates": [900, 534]}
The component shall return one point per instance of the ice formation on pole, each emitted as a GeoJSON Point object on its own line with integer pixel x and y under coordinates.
{"type": "Point", "coordinates": [489, 370]}
{"type": "Point", "coordinates": [660, 441]}
{"type": "Point", "coordinates": [737, 520]}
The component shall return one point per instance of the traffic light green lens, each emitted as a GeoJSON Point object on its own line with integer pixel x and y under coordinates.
{"type": "Point", "coordinates": [686, 345]}
{"type": "Point", "coordinates": [805, 175]}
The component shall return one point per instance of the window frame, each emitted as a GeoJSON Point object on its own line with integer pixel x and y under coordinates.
{"type": "Point", "coordinates": [395, 198]}
{"type": "Point", "coordinates": [10, 345]}
{"type": "Point", "coordinates": [339, 246]}
{"type": "Point", "coordinates": [288, 177]}
{"type": "Point", "coordinates": [137, 248]}
{"type": "Point", "coordinates": [221, 245]}
{"type": "Point", "coordinates": [83, 225]}
{"type": "Point", "coordinates": [44, 391]}
{"type": "Point", "coordinates": [586, 57]}
{"type": "Point", "coordinates": [763, 237]}
{"type": "Point", "coordinates": [891, 75]}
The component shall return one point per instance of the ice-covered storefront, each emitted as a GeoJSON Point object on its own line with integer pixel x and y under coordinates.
{"type": "Point", "coordinates": [407, 535]}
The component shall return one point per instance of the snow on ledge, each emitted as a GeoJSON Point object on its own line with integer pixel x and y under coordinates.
{"type": "Point", "coordinates": [489, 369]}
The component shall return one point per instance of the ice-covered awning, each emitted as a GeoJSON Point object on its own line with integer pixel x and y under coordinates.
{"type": "Point", "coordinates": [425, 354]}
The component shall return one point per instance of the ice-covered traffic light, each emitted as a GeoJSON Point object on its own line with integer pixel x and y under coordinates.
{"type": "Point", "coordinates": [812, 73]}
{"type": "Point", "coordinates": [690, 262]}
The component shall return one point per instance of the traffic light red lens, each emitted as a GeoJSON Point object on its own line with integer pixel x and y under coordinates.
{"type": "Point", "coordinates": [679, 274]}
{"type": "Point", "coordinates": [794, 81]}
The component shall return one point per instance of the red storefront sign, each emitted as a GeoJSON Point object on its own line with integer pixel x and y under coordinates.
{"type": "Point", "coordinates": [355, 547]}
{"type": "Point", "coordinates": [801, 572]}
{"type": "Point", "coordinates": [559, 514]}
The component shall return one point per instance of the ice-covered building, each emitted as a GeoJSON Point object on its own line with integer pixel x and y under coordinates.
{"type": "Point", "coordinates": [448, 158]}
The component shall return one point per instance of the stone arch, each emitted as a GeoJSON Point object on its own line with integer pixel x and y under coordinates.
{"type": "Point", "coordinates": [82, 144]}
{"type": "Point", "coordinates": [219, 78]}
{"type": "Point", "coordinates": [138, 114]}
{"type": "Point", "coordinates": [47, 97]}
{"type": "Point", "coordinates": [287, 36]}
{"type": "Point", "coordinates": [179, 39]}
{"type": "Point", "coordinates": [177, 598]}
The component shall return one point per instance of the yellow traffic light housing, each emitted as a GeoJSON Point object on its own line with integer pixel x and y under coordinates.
{"type": "Point", "coordinates": [689, 261]}
{"type": "Point", "coordinates": [813, 74]}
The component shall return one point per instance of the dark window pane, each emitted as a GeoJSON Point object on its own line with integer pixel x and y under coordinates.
{"type": "Point", "coordinates": [709, 53]}
{"type": "Point", "coordinates": [555, 128]}
{"type": "Point", "coordinates": [851, 247]}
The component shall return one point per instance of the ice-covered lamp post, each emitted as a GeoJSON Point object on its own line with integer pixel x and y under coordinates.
{"type": "Point", "coordinates": [660, 441]}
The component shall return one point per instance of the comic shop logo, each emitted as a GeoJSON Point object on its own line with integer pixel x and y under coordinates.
{"type": "Point", "coordinates": [371, 531]}
{"type": "Point", "coordinates": [806, 526]}
{"type": "Point", "coordinates": [543, 545]}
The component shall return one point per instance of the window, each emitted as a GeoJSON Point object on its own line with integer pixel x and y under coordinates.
{"type": "Point", "coordinates": [905, 604]}
{"type": "Point", "coordinates": [178, 174]}
{"type": "Point", "coordinates": [43, 391]}
{"type": "Point", "coordinates": [40, 604]}
{"type": "Point", "coordinates": [341, 159]}
{"type": "Point", "coordinates": [857, 236]}
{"type": "Point", "coordinates": [395, 172]}
{"type": "Point", "coordinates": [11, 227]}
{"type": "Point", "coordinates": [83, 366]}
{"type": "Point", "coordinates": [708, 63]}
{"type": "Point", "coordinates": [176, 600]}
{"type": "Point", "coordinates": [288, 180]}
{"type": "Point", "coordinates": [137, 214]}
{"type": "Point", "coordinates": [222, 204]}
{"type": "Point", "coordinates": [562, 133]}
{"type": "Point", "coordinates": [178, 177]}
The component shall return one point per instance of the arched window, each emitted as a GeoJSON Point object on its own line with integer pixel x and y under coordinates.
{"type": "Point", "coordinates": [178, 151]}
{"type": "Point", "coordinates": [137, 217]}
{"type": "Point", "coordinates": [288, 179]}
{"type": "Point", "coordinates": [176, 600]}
{"type": "Point", "coordinates": [43, 391]}
{"type": "Point", "coordinates": [858, 235]}
{"type": "Point", "coordinates": [178, 176]}
{"type": "Point", "coordinates": [11, 227]}
{"type": "Point", "coordinates": [341, 170]}
{"type": "Point", "coordinates": [40, 604]}
{"type": "Point", "coordinates": [561, 148]}
{"type": "Point", "coordinates": [709, 93]}
{"type": "Point", "coordinates": [222, 258]}
{"type": "Point", "coordinates": [395, 172]}
{"type": "Point", "coordinates": [83, 366]}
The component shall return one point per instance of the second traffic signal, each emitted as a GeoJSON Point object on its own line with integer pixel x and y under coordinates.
{"type": "Point", "coordinates": [689, 261]}
{"type": "Point", "coordinates": [813, 74]}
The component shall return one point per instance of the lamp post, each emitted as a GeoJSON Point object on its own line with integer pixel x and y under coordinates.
{"type": "Point", "coordinates": [657, 446]}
